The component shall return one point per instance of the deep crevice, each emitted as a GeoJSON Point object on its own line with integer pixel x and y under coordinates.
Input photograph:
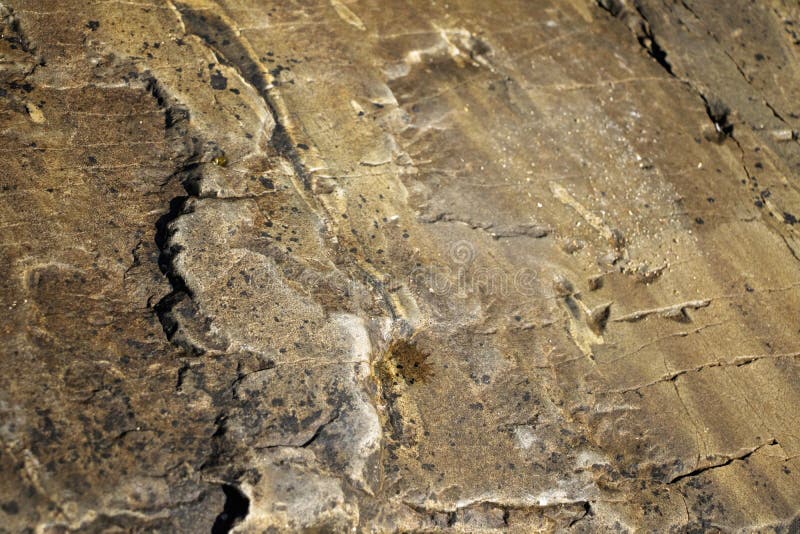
{"type": "Point", "coordinates": [587, 512]}
{"type": "Point", "coordinates": [637, 22]}
{"type": "Point", "coordinates": [176, 206]}
{"type": "Point", "coordinates": [649, 42]}
{"type": "Point", "coordinates": [187, 172]}
{"type": "Point", "coordinates": [235, 510]}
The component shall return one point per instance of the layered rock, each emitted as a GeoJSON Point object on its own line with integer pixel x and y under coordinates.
{"type": "Point", "coordinates": [399, 266]}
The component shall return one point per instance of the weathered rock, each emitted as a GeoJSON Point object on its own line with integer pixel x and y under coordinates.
{"type": "Point", "coordinates": [388, 267]}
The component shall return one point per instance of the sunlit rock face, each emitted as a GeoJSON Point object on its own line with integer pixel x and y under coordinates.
{"type": "Point", "coordinates": [399, 266]}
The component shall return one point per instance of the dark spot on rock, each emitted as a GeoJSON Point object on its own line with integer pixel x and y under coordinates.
{"type": "Point", "coordinates": [268, 184]}
{"type": "Point", "coordinates": [759, 57]}
{"type": "Point", "coordinates": [93, 25]}
{"type": "Point", "coordinates": [699, 220]}
{"type": "Point", "coordinates": [598, 318]}
{"type": "Point", "coordinates": [788, 218]}
{"type": "Point", "coordinates": [10, 507]}
{"type": "Point", "coordinates": [302, 145]}
{"type": "Point", "coordinates": [276, 72]}
{"type": "Point", "coordinates": [218, 81]}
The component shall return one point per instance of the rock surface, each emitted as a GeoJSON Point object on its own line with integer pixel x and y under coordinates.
{"type": "Point", "coordinates": [399, 266]}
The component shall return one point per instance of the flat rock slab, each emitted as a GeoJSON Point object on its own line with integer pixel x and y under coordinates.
{"type": "Point", "coordinates": [399, 266]}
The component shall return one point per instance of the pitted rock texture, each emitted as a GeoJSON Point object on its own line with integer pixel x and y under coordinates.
{"type": "Point", "coordinates": [399, 266]}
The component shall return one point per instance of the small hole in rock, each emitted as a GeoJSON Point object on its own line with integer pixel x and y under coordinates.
{"type": "Point", "coordinates": [237, 505]}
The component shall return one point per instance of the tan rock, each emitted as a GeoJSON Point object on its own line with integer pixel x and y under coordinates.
{"type": "Point", "coordinates": [390, 267]}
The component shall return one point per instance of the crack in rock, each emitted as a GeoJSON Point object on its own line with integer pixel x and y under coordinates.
{"type": "Point", "coordinates": [727, 461]}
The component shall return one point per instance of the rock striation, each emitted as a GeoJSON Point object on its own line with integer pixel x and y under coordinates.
{"type": "Point", "coordinates": [399, 266]}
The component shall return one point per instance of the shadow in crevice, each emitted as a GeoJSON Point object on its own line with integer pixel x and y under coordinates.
{"type": "Point", "coordinates": [236, 508]}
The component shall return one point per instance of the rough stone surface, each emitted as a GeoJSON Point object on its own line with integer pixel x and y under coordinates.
{"type": "Point", "coordinates": [399, 266]}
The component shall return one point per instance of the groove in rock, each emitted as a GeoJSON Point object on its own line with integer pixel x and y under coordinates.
{"type": "Point", "coordinates": [229, 48]}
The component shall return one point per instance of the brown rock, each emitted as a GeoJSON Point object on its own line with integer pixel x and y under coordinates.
{"type": "Point", "coordinates": [393, 267]}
